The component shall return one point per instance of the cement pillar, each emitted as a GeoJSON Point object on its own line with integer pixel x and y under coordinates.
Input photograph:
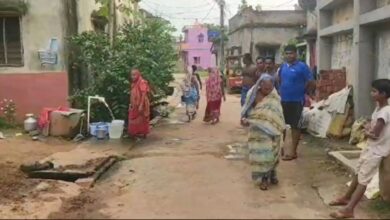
{"type": "Point", "coordinates": [324, 53]}
{"type": "Point", "coordinates": [363, 65]}
{"type": "Point", "coordinates": [324, 44]}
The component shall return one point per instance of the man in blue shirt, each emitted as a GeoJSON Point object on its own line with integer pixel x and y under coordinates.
{"type": "Point", "coordinates": [295, 80]}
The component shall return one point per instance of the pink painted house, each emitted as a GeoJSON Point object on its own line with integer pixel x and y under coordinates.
{"type": "Point", "coordinates": [196, 48]}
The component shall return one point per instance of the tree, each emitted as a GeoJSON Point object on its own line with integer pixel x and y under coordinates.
{"type": "Point", "coordinates": [259, 7]}
{"type": "Point", "coordinates": [147, 46]}
{"type": "Point", "coordinates": [217, 28]}
{"type": "Point", "coordinates": [243, 5]}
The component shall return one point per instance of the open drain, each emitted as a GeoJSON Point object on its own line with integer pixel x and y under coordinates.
{"type": "Point", "coordinates": [85, 174]}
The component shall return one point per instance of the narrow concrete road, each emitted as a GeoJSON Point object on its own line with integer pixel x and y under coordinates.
{"type": "Point", "coordinates": [180, 172]}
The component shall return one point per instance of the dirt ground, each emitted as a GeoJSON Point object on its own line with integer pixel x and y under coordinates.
{"type": "Point", "coordinates": [15, 151]}
{"type": "Point", "coordinates": [180, 172]}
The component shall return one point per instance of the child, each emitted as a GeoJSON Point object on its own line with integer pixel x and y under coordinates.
{"type": "Point", "coordinates": [378, 134]}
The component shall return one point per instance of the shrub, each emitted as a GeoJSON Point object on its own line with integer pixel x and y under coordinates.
{"type": "Point", "coordinates": [147, 46]}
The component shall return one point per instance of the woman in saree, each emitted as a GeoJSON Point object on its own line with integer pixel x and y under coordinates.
{"type": "Point", "coordinates": [263, 114]}
{"type": "Point", "coordinates": [191, 95]}
{"type": "Point", "coordinates": [214, 93]}
{"type": "Point", "coordinates": [139, 112]}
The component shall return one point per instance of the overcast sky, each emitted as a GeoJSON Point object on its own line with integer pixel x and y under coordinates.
{"type": "Point", "coordinates": [185, 12]}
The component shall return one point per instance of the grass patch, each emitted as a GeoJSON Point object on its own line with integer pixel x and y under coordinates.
{"type": "Point", "coordinates": [4, 124]}
{"type": "Point", "coordinates": [381, 207]}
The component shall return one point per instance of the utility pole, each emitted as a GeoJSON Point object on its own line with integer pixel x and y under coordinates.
{"type": "Point", "coordinates": [222, 42]}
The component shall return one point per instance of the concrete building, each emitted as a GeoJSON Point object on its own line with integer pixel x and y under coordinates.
{"type": "Point", "coordinates": [263, 32]}
{"type": "Point", "coordinates": [308, 38]}
{"type": "Point", "coordinates": [34, 67]}
{"type": "Point", "coordinates": [196, 47]}
{"type": "Point", "coordinates": [355, 34]}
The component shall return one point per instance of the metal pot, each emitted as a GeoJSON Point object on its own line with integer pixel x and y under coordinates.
{"type": "Point", "coordinates": [101, 133]}
{"type": "Point", "coordinates": [30, 124]}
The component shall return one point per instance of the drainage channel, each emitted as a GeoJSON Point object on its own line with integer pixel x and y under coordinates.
{"type": "Point", "coordinates": [85, 175]}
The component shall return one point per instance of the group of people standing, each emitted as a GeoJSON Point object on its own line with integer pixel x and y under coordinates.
{"type": "Point", "coordinates": [270, 99]}
{"type": "Point", "coordinates": [192, 86]}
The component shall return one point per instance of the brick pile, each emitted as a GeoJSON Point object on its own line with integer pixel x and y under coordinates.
{"type": "Point", "coordinates": [329, 82]}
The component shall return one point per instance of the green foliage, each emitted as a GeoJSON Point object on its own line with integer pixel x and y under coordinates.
{"type": "Point", "coordinates": [147, 46]}
{"type": "Point", "coordinates": [217, 28]}
{"type": "Point", "coordinates": [104, 9]}
{"type": "Point", "coordinates": [243, 5]}
{"type": "Point", "coordinates": [258, 7]}
{"type": "Point", "coordinates": [4, 124]}
{"type": "Point", "coordinates": [123, 7]}
{"type": "Point", "coordinates": [380, 207]}
{"type": "Point", "coordinates": [292, 41]}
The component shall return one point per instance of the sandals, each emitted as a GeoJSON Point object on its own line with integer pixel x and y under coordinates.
{"type": "Point", "coordinates": [341, 215]}
{"type": "Point", "coordinates": [263, 185]}
{"type": "Point", "coordinates": [338, 202]}
{"type": "Point", "coordinates": [215, 121]}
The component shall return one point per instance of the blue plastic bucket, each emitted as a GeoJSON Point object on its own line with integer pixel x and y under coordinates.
{"type": "Point", "coordinates": [93, 127]}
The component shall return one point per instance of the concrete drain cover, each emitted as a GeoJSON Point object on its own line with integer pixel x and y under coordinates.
{"type": "Point", "coordinates": [346, 158]}
{"type": "Point", "coordinates": [85, 175]}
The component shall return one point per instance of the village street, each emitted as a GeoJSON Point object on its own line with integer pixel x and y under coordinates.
{"type": "Point", "coordinates": [93, 124]}
{"type": "Point", "coordinates": [180, 172]}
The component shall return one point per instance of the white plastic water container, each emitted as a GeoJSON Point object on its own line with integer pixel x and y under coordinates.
{"type": "Point", "coordinates": [116, 129]}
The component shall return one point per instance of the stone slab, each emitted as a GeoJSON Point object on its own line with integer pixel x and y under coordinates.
{"type": "Point", "coordinates": [346, 158]}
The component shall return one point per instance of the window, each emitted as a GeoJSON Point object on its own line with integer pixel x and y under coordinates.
{"type": "Point", "coordinates": [196, 60]}
{"type": "Point", "coordinates": [200, 38]}
{"type": "Point", "coordinates": [266, 51]}
{"type": "Point", "coordinates": [10, 42]}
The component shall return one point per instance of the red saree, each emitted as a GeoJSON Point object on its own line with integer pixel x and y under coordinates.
{"type": "Point", "coordinates": [139, 113]}
{"type": "Point", "coordinates": [214, 96]}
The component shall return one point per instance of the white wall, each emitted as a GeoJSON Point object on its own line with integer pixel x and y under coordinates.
{"type": "Point", "coordinates": [311, 25]}
{"type": "Point", "coordinates": [381, 3]}
{"type": "Point", "coordinates": [272, 36]}
{"type": "Point", "coordinates": [290, 17]}
{"type": "Point", "coordinates": [342, 54]}
{"type": "Point", "coordinates": [343, 13]}
{"type": "Point", "coordinates": [383, 54]}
